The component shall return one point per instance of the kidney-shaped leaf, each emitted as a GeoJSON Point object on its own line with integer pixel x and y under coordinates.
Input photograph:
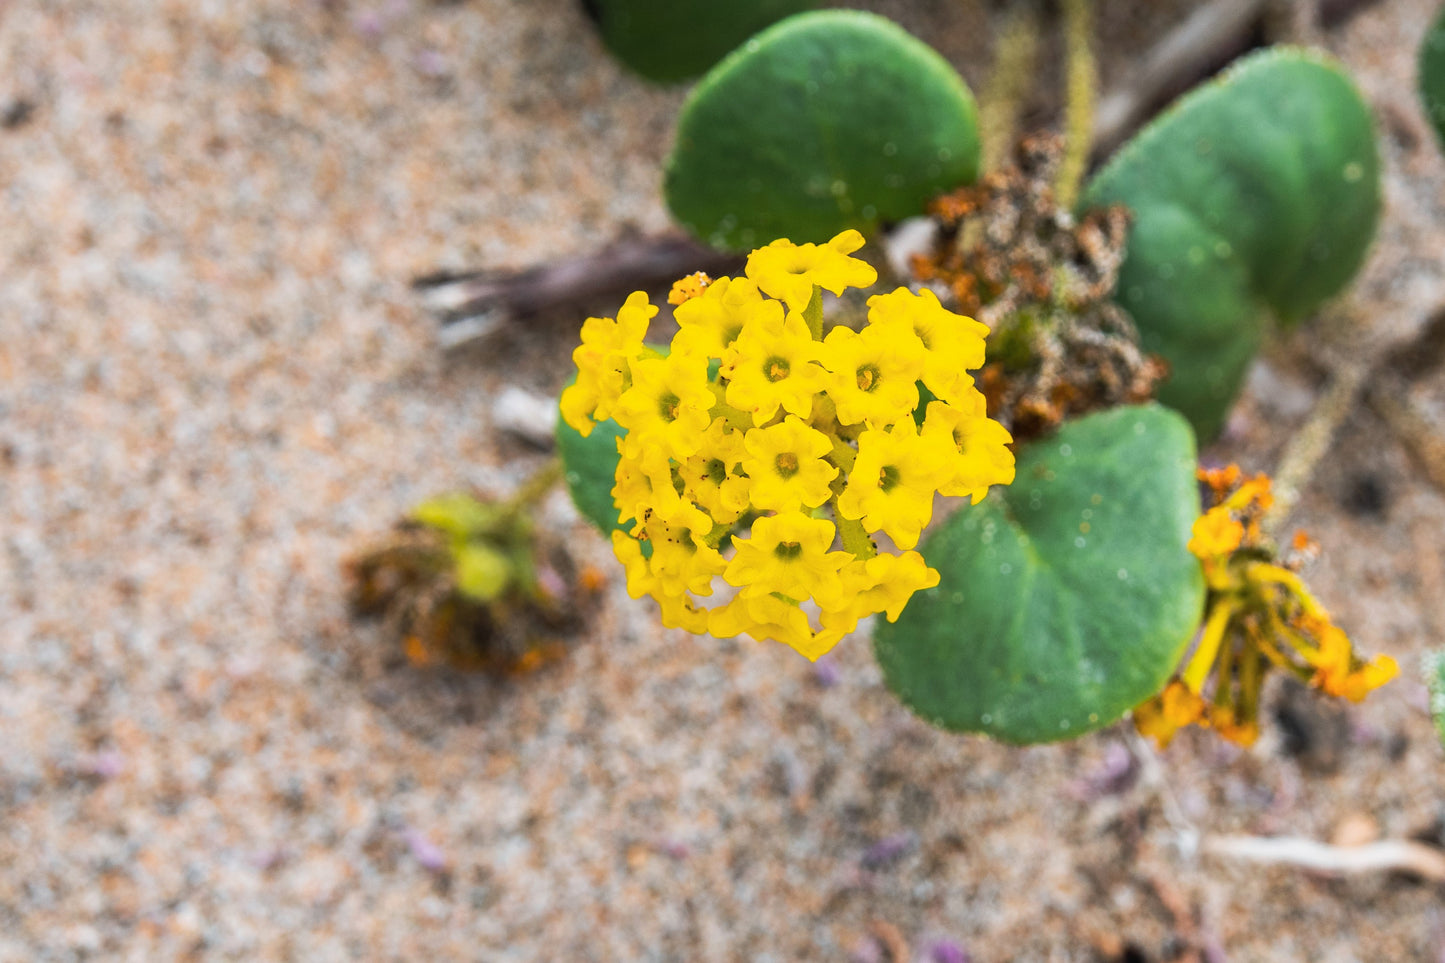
{"type": "Point", "coordinates": [1257, 193]}
{"type": "Point", "coordinates": [671, 40]}
{"type": "Point", "coordinates": [1066, 598]}
{"type": "Point", "coordinates": [1432, 75]}
{"type": "Point", "coordinates": [825, 121]}
{"type": "Point", "coordinates": [590, 467]}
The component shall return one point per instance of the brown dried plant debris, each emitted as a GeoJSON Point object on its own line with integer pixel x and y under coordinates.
{"type": "Point", "coordinates": [411, 582]}
{"type": "Point", "coordinates": [1041, 281]}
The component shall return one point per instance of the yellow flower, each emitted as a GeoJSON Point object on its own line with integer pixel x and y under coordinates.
{"type": "Point", "coordinates": [1165, 714]}
{"type": "Point", "coordinates": [750, 417]}
{"type": "Point", "coordinates": [685, 289]}
{"type": "Point", "coordinates": [980, 454]}
{"type": "Point", "coordinates": [892, 483]}
{"type": "Point", "coordinates": [772, 365]}
{"type": "Point", "coordinates": [668, 407]}
{"type": "Point", "coordinates": [1338, 671]}
{"type": "Point", "coordinates": [883, 583]}
{"type": "Point", "coordinates": [680, 612]}
{"type": "Point", "coordinates": [712, 477]}
{"type": "Point", "coordinates": [602, 363]}
{"type": "Point", "coordinates": [682, 561]}
{"type": "Point", "coordinates": [952, 344]}
{"type": "Point", "coordinates": [787, 554]}
{"type": "Point", "coordinates": [873, 376]}
{"type": "Point", "coordinates": [628, 550]}
{"type": "Point", "coordinates": [786, 467]}
{"type": "Point", "coordinates": [1259, 617]}
{"type": "Point", "coordinates": [708, 325]}
{"type": "Point", "coordinates": [1215, 534]}
{"type": "Point", "coordinates": [1222, 720]}
{"type": "Point", "coordinates": [788, 271]}
{"type": "Point", "coordinates": [644, 485]}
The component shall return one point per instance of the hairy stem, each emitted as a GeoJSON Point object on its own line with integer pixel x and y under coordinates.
{"type": "Point", "coordinates": [537, 486]}
{"type": "Point", "coordinates": [1008, 84]}
{"type": "Point", "coordinates": [1082, 92]}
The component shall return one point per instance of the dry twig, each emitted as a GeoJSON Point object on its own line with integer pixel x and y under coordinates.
{"type": "Point", "coordinates": [1398, 855]}
{"type": "Point", "coordinates": [472, 304]}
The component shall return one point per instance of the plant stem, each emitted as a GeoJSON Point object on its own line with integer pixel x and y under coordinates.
{"type": "Point", "coordinates": [535, 487]}
{"type": "Point", "coordinates": [1314, 440]}
{"type": "Point", "coordinates": [1082, 92]}
{"type": "Point", "coordinates": [1008, 83]}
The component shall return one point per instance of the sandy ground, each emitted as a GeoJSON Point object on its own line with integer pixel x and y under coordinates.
{"type": "Point", "coordinates": [214, 384]}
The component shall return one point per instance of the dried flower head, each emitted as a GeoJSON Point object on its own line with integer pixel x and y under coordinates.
{"type": "Point", "coordinates": [1009, 255]}
{"type": "Point", "coordinates": [1259, 617]}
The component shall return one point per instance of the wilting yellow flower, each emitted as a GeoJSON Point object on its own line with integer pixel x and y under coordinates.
{"type": "Point", "coordinates": [1259, 616]}
{"type": "Point", "coordinates": [1216, 533]}
{"type": "Point", "coordinates": [1168, 712]}
{"type": "Point", "coordinates": [789, 271]}
{"type": "Point", "coordinates": [1338, 671]}
{"type": "Point", "coordinates": [755, 448]}
{"type": "Point", "coordinates": [685, 289]}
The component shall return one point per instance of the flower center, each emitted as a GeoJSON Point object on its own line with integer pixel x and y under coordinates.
{"type": "Point", "coordinates": [787, 464]}
{"type": "Point", "coordinates": [788, 550]}
{"type": "Point", "coordinates": [868, 377]}
{"type": "Point", "coordinates": [887, 478]}
{"type": "Point", "coordinates": [716, 471]}
{"type": "Point", "coordinates": [667, 406]}
{"type": "Point", "coordinates": [776, 369]}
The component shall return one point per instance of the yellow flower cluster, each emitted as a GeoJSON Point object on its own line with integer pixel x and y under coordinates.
{"type": "Point", "coordinates": [1259, 616]}
{"type": "Point", "coordinates": [763, 454]}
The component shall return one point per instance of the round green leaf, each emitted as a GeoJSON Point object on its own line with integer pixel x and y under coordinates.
{"type": "Point", "coordinates": [826, 121]}
{"type": "Point", "coordinates": [590, 468]}
{"type": "Point", "coordinates": [1257, 193]}
{"type": "Point", "coordinates": [1432, 75]}
{"type": "Point", "coordinates": [672, 40]}
{"type": "Point", "coordinates": [1064, 599]}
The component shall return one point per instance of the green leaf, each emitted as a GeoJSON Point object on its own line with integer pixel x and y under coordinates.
{"type": "Point", "coordinates": [459, 515]}
{"type": "Point", "coordinates": [1433, 664]}
{"type": "Point", "coordinates": [483, 573]}
{"type": "Point", "coordinates": [1255, 194]}
{"type": "Point", "coordinates": [590, 467]}
{"type": "Point", "coordinates": [1066, 598]}
{"type": "Point", "coordinates": [672, 40]}
{"type": "Point", "coordinates": [1432, 75]}
{"type": "Point", "coordinates": [826, 121]}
